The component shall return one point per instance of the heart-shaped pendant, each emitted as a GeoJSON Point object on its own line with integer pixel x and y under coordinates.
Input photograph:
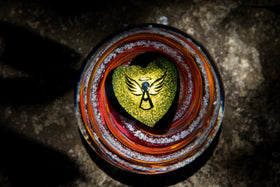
{"type": "Point", "coordinates": [146, 93]}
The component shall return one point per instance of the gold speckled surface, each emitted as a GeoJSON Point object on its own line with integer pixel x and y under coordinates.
{"type": "Point", "coordinates": [160, 101]}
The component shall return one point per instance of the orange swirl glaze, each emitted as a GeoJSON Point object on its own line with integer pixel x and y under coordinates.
{"type": "Point", "coordinates": [189, 131]}
{"type": "Point", "coordinates": [121, 135]}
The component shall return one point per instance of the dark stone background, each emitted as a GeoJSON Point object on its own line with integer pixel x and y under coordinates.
{"type": "Point", "coordinates": [43, 44]}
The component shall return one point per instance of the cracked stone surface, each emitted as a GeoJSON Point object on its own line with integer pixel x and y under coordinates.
{"type": "Point", "coordinates": [42, 48]}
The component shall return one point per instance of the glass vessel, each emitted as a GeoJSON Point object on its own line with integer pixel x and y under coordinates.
{"type": "Point", "coordinates": [149, 100]}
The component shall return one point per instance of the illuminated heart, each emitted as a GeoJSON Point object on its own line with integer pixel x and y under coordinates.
{"type": "Point", "coordinates": [146, 93]}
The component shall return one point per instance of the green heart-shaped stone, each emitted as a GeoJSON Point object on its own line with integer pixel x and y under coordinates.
{"type": "Point", "coordinates": [146, 93]}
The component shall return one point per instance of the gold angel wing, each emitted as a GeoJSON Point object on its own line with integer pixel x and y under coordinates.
{"type": "Point", "coordinates": [157, 85]}
{"type": "Point", "coordinates": [133, 86]}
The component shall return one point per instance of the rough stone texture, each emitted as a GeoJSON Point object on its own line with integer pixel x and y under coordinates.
{"type": "Point", "coordinates": [43, 44]}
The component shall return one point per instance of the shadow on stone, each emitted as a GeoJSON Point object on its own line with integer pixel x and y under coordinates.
{"type": "Point", "coordinates": [40, 69]}
{"type": "Point", "coordinates": [26, 163]}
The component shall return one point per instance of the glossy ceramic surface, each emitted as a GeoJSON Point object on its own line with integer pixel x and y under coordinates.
{"type": "Point", "coordinates": [149, 100]}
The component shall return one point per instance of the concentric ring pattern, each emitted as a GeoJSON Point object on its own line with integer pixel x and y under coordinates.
{"type": "Point", "coordinates": [125, 142]}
